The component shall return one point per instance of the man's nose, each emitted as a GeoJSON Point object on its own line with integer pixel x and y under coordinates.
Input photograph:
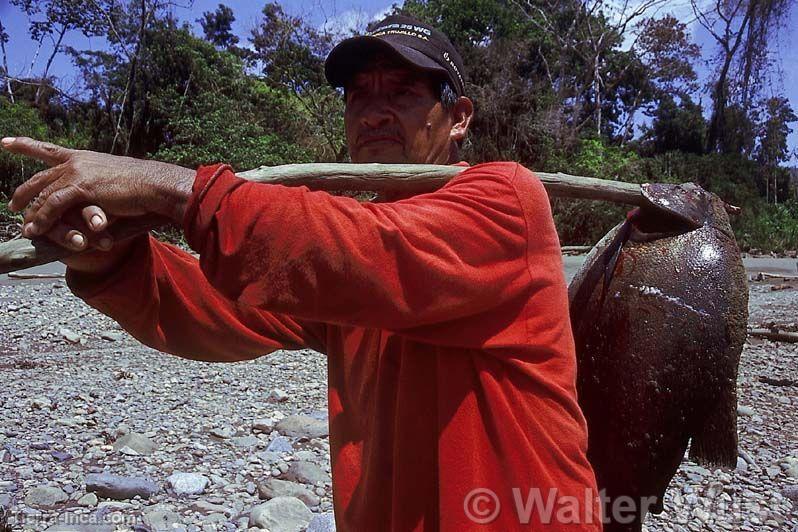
{"type": "Point", "coordinates": [377, 114]}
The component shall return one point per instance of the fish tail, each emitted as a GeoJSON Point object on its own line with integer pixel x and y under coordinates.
{"type": "Point", "coordinates": [715, 442]}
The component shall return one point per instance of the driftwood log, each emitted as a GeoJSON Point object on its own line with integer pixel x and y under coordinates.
{"type": "Point", "coordinates": [774, 335]}
{"type": "Point", "coordinates": [22, 253]}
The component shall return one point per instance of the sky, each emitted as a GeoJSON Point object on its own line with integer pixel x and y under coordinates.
{"type": "Point", "coordinates": [344, 15]}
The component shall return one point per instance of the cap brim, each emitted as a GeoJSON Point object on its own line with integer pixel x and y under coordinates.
{"type": "Point", "coordinates": [349, 55]}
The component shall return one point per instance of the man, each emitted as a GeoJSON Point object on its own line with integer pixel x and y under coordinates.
{"type": "Point", "coordinates": [444, 316]}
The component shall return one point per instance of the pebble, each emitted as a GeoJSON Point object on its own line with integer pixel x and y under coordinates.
{"type": "Point", "coordinates": [278, 396]}
{"type": "Point", "coordinates": [791, 492]}
{"type": "Point", "coordinates": [281, 514]}
{"type": "Point", "coordinates": [307, 472]}
{"type": "Point", "coordinates": [223, 432]}
{"type": "Point", "coordinates": [745, 411]}
{"type": "Point", "coordinates": [280, 444]}
{"type": "Point", "coordinates": [162, 521]}
{"type": "Point", "coordinates": [272, 487]}
{"type": "Point", "coordinates": [133, 443]}
{"type": "Point", "coordinates": [120, 487]}
{"type": "Point", "coordinates": [89, 394]}
{"type": "Point", "coordinates": [188, 483]}
{"type": "Point", "coordinates": [322, 523]}
{"type": "Point", "coordinates": [112, 336]}
{"type": "Point", "coordinates": [88, 500]}
{"type": "Point", "coordinates": [45, 497]}
{"type": "Point", "coordinates": [69, 335]}
{"type": "Point", "coordinates": [303, 427]}
{"type": "Point", "coordinates": [263, 425]}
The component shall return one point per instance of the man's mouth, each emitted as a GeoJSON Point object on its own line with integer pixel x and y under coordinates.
{"type": "Point", "coordinates": [367, 139]}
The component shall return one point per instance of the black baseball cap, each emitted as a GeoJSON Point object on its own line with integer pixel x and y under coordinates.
{"type": "Point", "coordinates": [409, 39]}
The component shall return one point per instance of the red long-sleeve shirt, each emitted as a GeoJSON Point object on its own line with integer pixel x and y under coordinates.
{"type": "Point", "coordinates": [444, 318]}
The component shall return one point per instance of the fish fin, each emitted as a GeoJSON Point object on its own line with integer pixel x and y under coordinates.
{"type": "Point", "coordinates": [607, 259]}
{"type": "Point", "coordinates": [715, 442]}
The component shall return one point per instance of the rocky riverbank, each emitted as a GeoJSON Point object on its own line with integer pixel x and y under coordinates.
{"type": "Point", "coordinates": [98, 432]}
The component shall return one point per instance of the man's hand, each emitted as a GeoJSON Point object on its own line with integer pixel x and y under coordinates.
{"type": "Point", "coordinates": [98, 186]}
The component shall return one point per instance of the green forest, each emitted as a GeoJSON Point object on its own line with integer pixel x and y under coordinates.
{"type": "Point", "coordinates": [558, 85]}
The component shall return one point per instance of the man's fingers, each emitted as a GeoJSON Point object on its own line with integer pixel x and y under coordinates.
{"type": "Point", "coordinates": [72, 232]}
{"type": "Point", "coordinates": [67, 236]}
{"type": "Point", "coordinates": [28, 190]}
{"type": "Point", "coordinates": [95, 218]}
{"type": "Point", "coordinates": [43, 214]}
{"type": "Point", "coordinates": [48, 153]}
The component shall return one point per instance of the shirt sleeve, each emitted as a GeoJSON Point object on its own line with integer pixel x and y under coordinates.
{"type": "Point", "coordinates": [433, 258]}
{"type": "Point", "coordinates": [161, 297]}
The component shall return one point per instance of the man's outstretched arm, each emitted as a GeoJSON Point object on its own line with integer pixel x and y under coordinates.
{"type": "Point", "coordinates": [434, 258]}
{"type": "Point", "coordinates": [159, 294]}
{"type": "Point", "coordinates": [155, 291]}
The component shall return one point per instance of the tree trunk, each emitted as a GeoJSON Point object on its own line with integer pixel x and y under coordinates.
{"type": "Point", "coordinates": [48, 65]}
{"type": "Point", "coordinates": [5, 63]}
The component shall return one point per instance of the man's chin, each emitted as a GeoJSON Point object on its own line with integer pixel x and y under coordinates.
{"type": "Point", "coordinates": [384, 156]}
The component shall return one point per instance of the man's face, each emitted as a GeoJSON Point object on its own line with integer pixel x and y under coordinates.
{"type": "Point", "coordinates": [393, 115]}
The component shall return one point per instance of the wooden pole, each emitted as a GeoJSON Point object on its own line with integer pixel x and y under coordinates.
{"type": "Point", "coordinates": [410, 179]}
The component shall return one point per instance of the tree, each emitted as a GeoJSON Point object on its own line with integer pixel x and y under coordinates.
{"type": "Point", "coordinates": [773, 148]}
{"type": "Point", "coordinates": [745, 32]}
{"type": "Point", "coordinates": [5, 72]}
{"type": "Point", "coordinates": [59, 18]}
{"type": "Point", "coordinates": [659, 68]}
{"type": "Point", "coordinates": [676, 127]}
{"type": "Point", "coordinates": [218, 27]}
{"type": "Point", "coordinates": [290, 54]}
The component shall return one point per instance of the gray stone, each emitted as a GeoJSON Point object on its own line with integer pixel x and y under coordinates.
{"type": "Point", "coordinates": [244, 441]}
{"type": "Point", "coordinates": [269, 457]}
{"type": "Point", "coordinates": [791, 492]}
{"type": "Point", "coordinates": [97, 527]}
{"type": "Point", "coordinates": [41, 403]}
{"type": "Point", "coordinates": [205, 507]}
{"type": "Point", "coordinates": [773, 471]}
{"type": "Point", "coordinates": [278, 396]}
{"type": "Point", "coordinates": [742, 465]}
{"type": "Point", "coordinates": [112, 336]}
{"type": "Point", "coordinates": [263, 425]}
{"type": "Point", "coordinates": [138, 443]}
{"type": "Point", "coordinates": [162, 521]}
{"type": "Point", "coordinates": [89, 500]}
{"type": "Point", "coordinates": [119, 487]}
{"type": "Point", "coordinates": [322, 523]}
{"type": "Point", "coordinates": [69, 335]}
{"type": "Point", "coordinates": [188, 483]}
{"type": "Point", "coordinates": [307, 472]}
{"type": "Point", "coordinates": [282, 514]}
{"type": "Point", "coordinates": [45, 497]}
{"type": "Point", "coordinates": [280, 444]}
{"type": "Point", "coordinates": [303, 427]}
{"type": "Point", "coordinates": [308, 456]}
{"type": "Point", "coordinates": [790, 466]}
{"type": "Point", "coordinates": [5, 501]}
{"type": "Point", "coordinates": [272, 488]}
{"type": "Point", "coordinates": [745, 411]}
{"type": "Point", "coordinates": [223, 432]}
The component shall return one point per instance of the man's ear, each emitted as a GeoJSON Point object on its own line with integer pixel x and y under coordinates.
{"type": "Point", "coordinates": [462, 112]}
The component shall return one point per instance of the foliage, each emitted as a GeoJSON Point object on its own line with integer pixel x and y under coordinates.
{"type": "Point", "coordinates": [558, 85]}
{"type": "Point", "coordinates": [18, 119]}
{"type": "Point", "coordinates": [218, 27]}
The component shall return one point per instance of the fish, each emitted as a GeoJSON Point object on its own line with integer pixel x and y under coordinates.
{"type": "Point", "coordinates": [659, 312]}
